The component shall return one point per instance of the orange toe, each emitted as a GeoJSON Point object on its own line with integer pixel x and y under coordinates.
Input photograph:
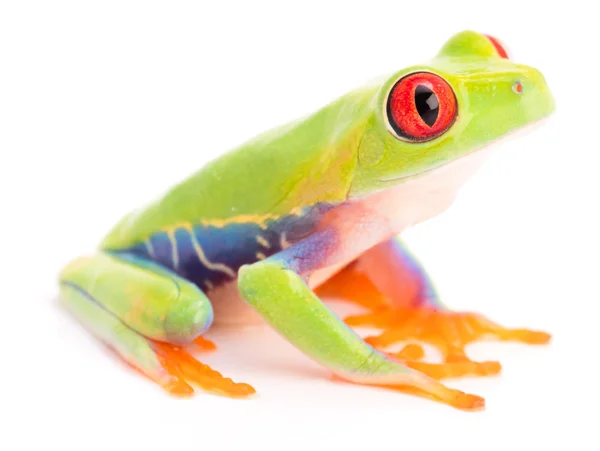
{"type": "Point", "coordinates": [179, 389]}
{"type": "Point", "coordinates": [532, 337]}
{"type": "Point", "coordinates": [177, 385]}
{"type": "Point", "coordinates": [465, 401]}
{"type": "Point", "coordinates": [205, 344]}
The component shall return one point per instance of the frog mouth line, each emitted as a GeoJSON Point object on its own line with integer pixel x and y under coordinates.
{"type": "Point", "coordinates": [496, 143]}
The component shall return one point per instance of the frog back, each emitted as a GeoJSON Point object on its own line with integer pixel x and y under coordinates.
{"type": "Point", "coordinates": [279, 173]}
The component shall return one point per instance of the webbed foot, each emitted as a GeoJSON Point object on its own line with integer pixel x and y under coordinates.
{"type": "Point", "coordinates": [184, 368]}
{"type": "Point", "coordinates": [450, 332]}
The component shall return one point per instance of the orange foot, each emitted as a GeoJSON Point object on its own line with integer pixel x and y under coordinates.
{"type": "Point", "coordinates": [205, 344]}
{"type": "Point", "coordinates": [184, 368]}
{"type": "Point", "coordinates": [448, 331]}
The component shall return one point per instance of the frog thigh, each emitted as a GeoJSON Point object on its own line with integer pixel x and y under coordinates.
{"type": "Point", "coordinates": [388, 273]}
{"type": "Point", "coordinates": [145, 313]}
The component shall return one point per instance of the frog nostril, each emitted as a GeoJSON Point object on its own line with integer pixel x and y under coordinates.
{"type": "Point", "coordinates": [518, 87]}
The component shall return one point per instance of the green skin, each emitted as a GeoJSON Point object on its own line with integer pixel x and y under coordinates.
{"type": "Point", "coordinates": [343, 153]}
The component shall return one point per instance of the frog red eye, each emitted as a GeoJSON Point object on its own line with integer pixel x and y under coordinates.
{"type": "Point", "coordinates": [500, 48]}
{"type": "Point", "coordinates": [421, 106]}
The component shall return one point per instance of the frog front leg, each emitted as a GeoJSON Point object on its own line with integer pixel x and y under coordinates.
{"type": "Point", "coordinates": [278, 289]}
{"type": "Point", "coordinates": [146, 314]}
{"type": "Point", "coordinates": [414, 312]}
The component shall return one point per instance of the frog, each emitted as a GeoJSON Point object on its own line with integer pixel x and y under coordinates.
{"type": "Point", "coordinates": [313, 210]}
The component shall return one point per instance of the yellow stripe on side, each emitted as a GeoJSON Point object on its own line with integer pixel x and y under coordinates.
{"type": "Point", "coordinates": [263, 242]}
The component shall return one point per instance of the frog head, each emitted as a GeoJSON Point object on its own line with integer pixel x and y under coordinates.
{"type": "Point", "coordinates": [467, 97]}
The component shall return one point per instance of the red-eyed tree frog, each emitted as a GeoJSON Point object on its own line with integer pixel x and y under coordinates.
{"type": "Point", "coordinates": [310, 210]}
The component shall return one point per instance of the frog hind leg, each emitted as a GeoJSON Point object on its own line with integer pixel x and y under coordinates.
{"type": "Point", "coordinates": [391, 283]}
{"type": "Point", "coordinates": [147, 315]}
{"type": "Point", "coordinates": [277, 289]}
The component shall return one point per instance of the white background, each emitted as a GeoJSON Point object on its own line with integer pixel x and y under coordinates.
{"type": "Point", "coordinates": [103, 105]}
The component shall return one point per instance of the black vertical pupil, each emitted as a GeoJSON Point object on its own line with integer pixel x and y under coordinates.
{"type": "Point", "coordinates": [427, 104]}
